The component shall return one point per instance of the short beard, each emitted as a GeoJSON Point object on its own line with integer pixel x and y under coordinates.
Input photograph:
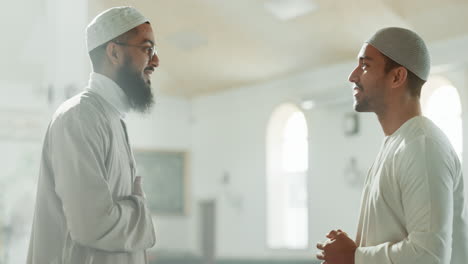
{"type": "Point", "coordinates": [362, 106]}
{"type": "Point", "coordinates": [138, 91]}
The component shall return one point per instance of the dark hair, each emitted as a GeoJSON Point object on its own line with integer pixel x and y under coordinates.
{"type": "Point", "coordinates": [98, 54]}
{"type": "Point", "coordinates": [414, 82]}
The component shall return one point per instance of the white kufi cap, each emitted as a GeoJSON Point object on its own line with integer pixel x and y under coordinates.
{"type": "Point", "coordinates": [405, 48]}
{"type": "Point", "coordinates": [112, 23]}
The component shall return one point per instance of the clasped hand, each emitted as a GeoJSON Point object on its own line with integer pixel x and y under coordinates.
{"type": "Point", "coordinates": [338, 249]}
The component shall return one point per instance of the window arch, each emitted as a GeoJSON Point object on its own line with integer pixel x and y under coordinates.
{"type": "Point", "coordinates": [441, 103]}
{"type": "Point", "coordinates": [287, 166]}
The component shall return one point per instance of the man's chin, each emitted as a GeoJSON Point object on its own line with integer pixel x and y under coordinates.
{"type": "Point", "coordinates": [360, 108]}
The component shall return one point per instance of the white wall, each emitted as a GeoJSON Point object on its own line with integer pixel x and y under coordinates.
{"type": "Point", "coordinates": [166, 127]}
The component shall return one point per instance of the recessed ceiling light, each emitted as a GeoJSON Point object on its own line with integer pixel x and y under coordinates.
{"type": "Point", "coordinates": [187, 40]}
{"type": "Point", "coordinates": [308, 104]}
{"type": "Point", "coordinates": [289, 9]}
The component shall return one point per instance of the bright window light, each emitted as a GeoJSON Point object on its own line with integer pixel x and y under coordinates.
{"type": "Point", "coordinates": [287, 165]}
{"type": "Point", "coordinates": [295, 144]}
{"type": "Point", "coordinates": [441, 103]}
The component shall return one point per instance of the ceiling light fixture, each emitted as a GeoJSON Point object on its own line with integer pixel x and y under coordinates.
{"type": "Point", "coordinates": [290, 9]}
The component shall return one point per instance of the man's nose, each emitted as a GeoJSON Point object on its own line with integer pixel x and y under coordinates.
{"type": "Point", "coordinates": [154, 61]}
{"type": "Point", "coordinates": [353, 76]}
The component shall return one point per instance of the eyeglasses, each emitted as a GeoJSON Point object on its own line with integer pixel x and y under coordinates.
{"type": "Point", "coordinates": [149, 50]}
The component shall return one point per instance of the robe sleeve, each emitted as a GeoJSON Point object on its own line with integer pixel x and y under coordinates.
{"type": "Point", "coordinates": [94, 219]}
{"type": "Point", "coordinates": [426, 172]}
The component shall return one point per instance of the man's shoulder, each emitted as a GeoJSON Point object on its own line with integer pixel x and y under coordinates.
{"type": "Point", "coordinates": [80, 118]}
{"type": "Point", "coordinates": [85, 106]}
{"type": "Point", "coordinates": [425, 131]}
{"type": "Point", "coordinates": [426, 140]}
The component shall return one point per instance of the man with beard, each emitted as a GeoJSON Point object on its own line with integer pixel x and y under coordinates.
{"type": "Point", "coordinates": [413, 208]}
{"type": "Point", "coordinates": [90, 206]}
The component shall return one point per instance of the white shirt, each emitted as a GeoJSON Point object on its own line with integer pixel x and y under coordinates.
{"type": "Point", "coordinates": [85, 211]}
{"type": "Point", "coordinates": [413, 207]}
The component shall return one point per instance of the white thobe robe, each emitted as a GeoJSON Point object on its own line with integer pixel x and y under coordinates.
{"type": "Point", "coordinates": [85, 210]}
{"type": "Point", "coordinates": [413, 207]}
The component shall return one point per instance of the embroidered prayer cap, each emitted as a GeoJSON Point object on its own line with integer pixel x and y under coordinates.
{"type": "Point", "coordinates": [404, 47]}
{"type": "Point", "coordinates": [112, 23]}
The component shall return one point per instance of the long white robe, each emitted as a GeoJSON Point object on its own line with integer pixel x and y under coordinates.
{"type": "Point", "coordinates": [85, 211]}
{"type": "Point", "coordinates": [413, 207]}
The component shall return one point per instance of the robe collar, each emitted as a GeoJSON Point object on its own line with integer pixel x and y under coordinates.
{"type": "Point", "coordinates": [110, 91]}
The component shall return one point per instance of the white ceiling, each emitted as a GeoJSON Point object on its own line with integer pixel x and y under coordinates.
{"type": "Point", "coordinates": [207, 46]}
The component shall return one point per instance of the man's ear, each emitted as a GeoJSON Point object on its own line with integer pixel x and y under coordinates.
{"type": "Point", "coordinates": [399, 76]}
{"type": "Point", "coordinates": [113, 53]}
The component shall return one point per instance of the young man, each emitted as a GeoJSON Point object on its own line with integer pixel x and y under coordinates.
{"type": "Point", "coordinates": [90, 207]}
{"type": "Point", "coordinates": [413, 208]}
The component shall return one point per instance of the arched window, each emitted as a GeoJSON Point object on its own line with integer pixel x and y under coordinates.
{"type": "Point", "coordinates": [441, 103]}
{"type": "Point", "coordinates": [287, 166]}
